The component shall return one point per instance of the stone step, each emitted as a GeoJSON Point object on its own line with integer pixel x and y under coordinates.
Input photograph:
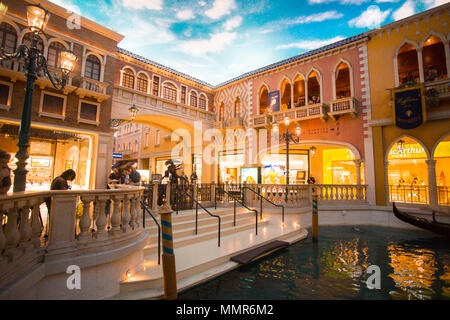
{"type": "Point", "coordinates": [188, 237]}
{"type": "Point", "coordinates": [189, 215]}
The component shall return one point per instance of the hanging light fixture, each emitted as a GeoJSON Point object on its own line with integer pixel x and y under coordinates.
{"type": "Point", "coordinates": [286, 121]}
{"type": "Point", "coordinates": [133, 112]}
{"type": "Point", "coordinates": [275, 126]}
{"type": "Point", "coordinates": [3, 11]}
{"type": "Point", "coordinates": [68, 61]}
{"type": "Point", "coordinates": [400, 145]}
{"type": "Point", "coordinates": [298, 130]}
{"type": "Point", "coordinates": [37, 17]}
{"type": "Point", "coordinates": [312, 151]}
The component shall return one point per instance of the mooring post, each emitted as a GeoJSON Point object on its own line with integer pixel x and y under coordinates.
{"type": "Point", "coordinates": [168, 256]}
{"type": "Point", "coordinates": [315, 217]}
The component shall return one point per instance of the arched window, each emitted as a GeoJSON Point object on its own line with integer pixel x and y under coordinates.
{"type": "Point", "coordinates": [342, 82]}
{"type": "Point", "coordinates": [53, 56]}
{"type": "Point", "coordinates": [263, 100]}
{"type": "Point", "coordinates": [237, 107]}
{"type": "Point", "coordinates": [408, 64]}
{"type": "Point", "coordinates": [202, 102]}
{"type": "Point", "coordinates": [313, 88]}
{"type": "Point", "coordinates": [193, 99]}
{"type": "Point", "coordinates": [442, 157]}
{"type": "Point", "coordinates": [128, 78]}
{"type": "Point", "coordinates": [299, 91]}
{"type": "Point", "coordinates": [285, 94]}
{"type": "Point", "coordinates": [142, 83]}
{"type": "Point", "coordinates": [169, 91]}
{"type": "Point", "coordinates": [92, 67]}
{"type": "Point", "coordinates": [407, 172]}
{"type": "Point", "coordinates": [434, 62]}
{"type": "Point", "coordinates": [8, 41]}
{"type": "Point", "coordinates": [222, 112]}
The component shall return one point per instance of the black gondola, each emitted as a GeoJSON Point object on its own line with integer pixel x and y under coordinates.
{"type": "Point", "coordinates": [433, 226]}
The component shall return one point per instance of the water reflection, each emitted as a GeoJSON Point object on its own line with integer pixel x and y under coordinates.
{"type": "Point", "coordinates": [413, 264]}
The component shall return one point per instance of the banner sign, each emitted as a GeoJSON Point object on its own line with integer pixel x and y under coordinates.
{"type": "Point", "coordinates": [409, 107]}
{"type": "Point", "coordinates": [117, 155]}
{"type": "Point", "coordinates": [274, 101]}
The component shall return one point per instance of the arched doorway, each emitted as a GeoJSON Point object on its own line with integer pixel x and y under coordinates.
{"type": "Point", "coordinates": [313, 88]}
{"type": "Point", "coordinates": [434, 61]}
{"type": "Point", "coordinates": [407, 172]}
{"type": "Point", "coordinates": [343, 83]}
{"type": "Point", "coordinates": [299, 91]}
{"type": "Point", "coordinates": [442, 166]}
{"type": "Point", "coordinates": [408, 64]}
{"type": "Point", "coordinates": [285, 94]}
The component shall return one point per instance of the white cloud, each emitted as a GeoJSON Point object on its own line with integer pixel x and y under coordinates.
{"type": "Point", "coordinates": [233, 23]}
{"type": "Point", "coordinates": [137, 39]}
{"type": "Point", "coordinates": [310, 44]}
{"type": "Point", "coordinates": [220, 8]}
{"type": "Point", "coordinates": [185, 14]}
{"type": "Point", "coordinates": [386, 1]}
{"type": "Point", "coordinates": [143, 4]}
{"type": "Point", "coordinates": [434, 3]}
{"type": "Point", "coordinates": [317, 17]}
{"type": "Point", "coordinates": [202, 3]}
{"type": "Point", "coordinates": [357, 2]}
{"type": "Point", "coordinates": [406, 10]}
{"type": "Point", "coordinates": [215, 44]}
{"type": "Point", "coordinates": [67, 4]}
{"type": "Point", "coordinates": [371, 18]}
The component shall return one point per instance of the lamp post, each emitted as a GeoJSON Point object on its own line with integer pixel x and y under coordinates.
{"type": "Point", "coordinates": [288, 138]}
{"type": "Point", "coordinates": [35, 62]}
{"type": "Point", "coordinates": [114, 123]}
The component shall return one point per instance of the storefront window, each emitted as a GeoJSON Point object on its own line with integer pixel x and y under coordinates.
{"type": "Point", "coordinates": [408, 172]}
{"type": "Point", "coordinates": [51, 153]}
{"type": "Point", "coordinates": [274, 168]}
{"type": "Point", "coordinates": [442, 157]}
{"type": "Point", "coordinates": [230, 163]}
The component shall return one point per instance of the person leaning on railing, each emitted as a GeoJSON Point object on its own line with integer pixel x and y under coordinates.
{"type": "Point", "coordinates": [5, 172]}
{"type": "Point", "coordinates": [60, 183]}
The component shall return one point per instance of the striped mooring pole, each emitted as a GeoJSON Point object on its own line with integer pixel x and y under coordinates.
{"type": "Point", "coordinates": [315, 218]}
{"type": "Point", "coordinates": [168, 256]}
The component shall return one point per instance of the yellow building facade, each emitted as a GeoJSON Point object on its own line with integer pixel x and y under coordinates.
{"type": "Point", "coordinates": [412, 166]}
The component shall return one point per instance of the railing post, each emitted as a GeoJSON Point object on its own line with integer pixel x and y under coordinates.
{"type": "Point", "coordinates": [155, 195]}
{"type": "Point", "coordinates": [315, 218]}
{"type": "Point", "coordinates": [36, 224]}
{"type": "Point", "coordinates": [115, 215]}
{"type": "Point", "coordinates": [169, 269]}
{"type": "Point", "coordinates": [25, 227]}
{"type": "Point", "coordinates": [62, 226]}
{"type": "Point", "coordinates": [102, 221]}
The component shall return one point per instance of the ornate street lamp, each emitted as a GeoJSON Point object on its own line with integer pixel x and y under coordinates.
{"type": "Point", "coordinates": [312, 151]}
{"type": "Point", "coordinates": [114, 123]}
{"type": "Point", "coordinates": [35, 62]}
{"type": "Point", "coordinates": [288, 137]}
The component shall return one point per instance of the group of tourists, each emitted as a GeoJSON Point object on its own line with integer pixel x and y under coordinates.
{"type": "Point", "coordinates": [127, 175]}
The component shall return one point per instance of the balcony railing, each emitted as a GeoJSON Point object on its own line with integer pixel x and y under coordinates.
{"type": "Point", "coordinates": [443, 194]}
{"type": "Point", "coordinates": [235, 123]}
{"type": "Point", "coordinates": [219, 125]}
{"type": "Point", "coordinates": [314, 111]}
{"type": "Point", "coordinates": [343, 106]}
{"type": "Point", "coordinates": [441, 86]}
{"type": "Point", "coordinates": [92, 88]}
{"type": "Point", "coordinates": [262, 120]}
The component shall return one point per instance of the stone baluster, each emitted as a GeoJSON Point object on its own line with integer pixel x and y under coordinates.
{"type": "Point", "coordinates": [2, 238]}
{"type": "Point", "coordinates": [36, 223]}
{"type": "Point", "coordinates": [12, 233]}
{"type": "Point", "coordinates": [85, 220]}
{"type": "Point", "coordinates": [133, 213]}
{"type": "Point", "coordinates": [115, 215]}
{"type": "Point", "coordinates": [25, 227]}
{"type": "Point", "coordinates": [126, 214]}
{"type": "Point", "coordinates": [101, 220]}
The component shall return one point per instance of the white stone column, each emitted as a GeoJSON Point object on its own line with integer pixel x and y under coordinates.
{"type": "Point", "coordinates": [447, 55]}
{"type": "Point", "coordinates": [432, 190]}
{"type": "Point", "coordinates": [421, 71]}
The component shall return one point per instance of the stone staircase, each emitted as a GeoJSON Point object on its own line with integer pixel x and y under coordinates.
{"type": "Point", "coordinates": [183, 226]}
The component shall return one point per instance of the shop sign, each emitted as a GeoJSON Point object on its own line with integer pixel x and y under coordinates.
{"type": "Point", "coordinates": [409, 107]}
{"type": "Point", "coordinates": [410, 152]}
{"type": "Point", "coordinates": [117, 155]}
{"type": "Point", "coordinates": [274, 101]}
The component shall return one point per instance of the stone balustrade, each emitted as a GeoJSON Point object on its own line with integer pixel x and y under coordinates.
{"type": "Point", "coordinates": [79, 224]}
{"type": "Point", "coordinates": [300, 195]}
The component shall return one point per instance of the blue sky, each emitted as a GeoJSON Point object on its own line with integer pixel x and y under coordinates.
{"type": "Point", "coordinates": [216, 40]}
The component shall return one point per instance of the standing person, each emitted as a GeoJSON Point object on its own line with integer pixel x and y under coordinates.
{"type": "Point", "coordinates": [135, 177]}
{"type": "Point", "coordinates": [60, 183]}
{"type": "Point", "coordinates": [5, 172]}
{"type": "Point", "coordinates": [115, 175]}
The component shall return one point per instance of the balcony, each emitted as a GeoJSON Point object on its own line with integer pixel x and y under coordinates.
{"type": "Point", "coordinates": [235, 123]}
{"type": "Point", "coordinates": [314, 111]}
{"type": "Point", "coordinates": [262, 120]}
{"type": "Point", "coordinates": [441, 87]}
{"type": "Point", "coordinates": [93, 89]}
{"type": "Point", "coordinates": [219, 125]}
{"type": "Point", "coordinates": [343, 106]}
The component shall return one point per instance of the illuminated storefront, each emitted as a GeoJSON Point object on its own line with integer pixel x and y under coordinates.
{"type": "Point", "coordinates": [51, 153]}
{"type": "Point", "coordinates": [230, 164]}
{"type": "Point", "coordinates": [274, 167]}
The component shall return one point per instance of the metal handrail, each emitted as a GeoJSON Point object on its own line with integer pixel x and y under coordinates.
{"type": "Point", "coordinates": [207, 211]}
{"type": "Point", "coordinates": [241, 203]}
{"type": "Point", "coordinates": [146, 209]}
{"type": "Point", "coordinates": [262, 197]}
